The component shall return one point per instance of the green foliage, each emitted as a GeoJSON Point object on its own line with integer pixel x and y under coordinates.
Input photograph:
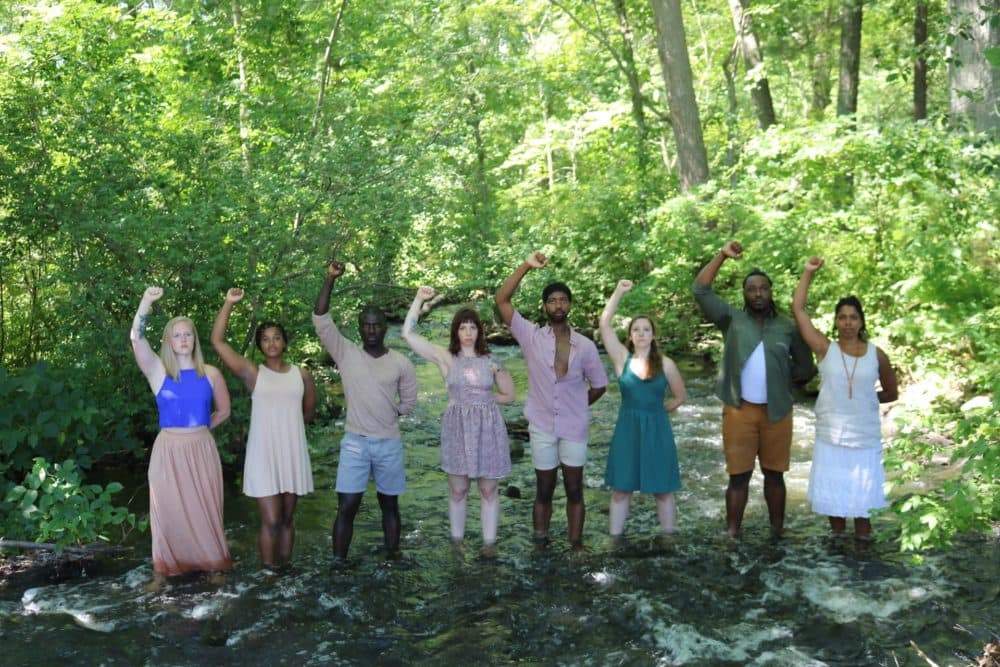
{"type": "Point", "coordinates": [451, 140]}
{"type": "Point", "coordinates": [52, 504]}
{"type": "Point", "coordinates": [49, 416]}
{"type": "Point", "coordinates": [967, 498]}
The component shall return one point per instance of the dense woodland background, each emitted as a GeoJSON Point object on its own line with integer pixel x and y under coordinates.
{"type": "Point", "coordinates": [200, 145]}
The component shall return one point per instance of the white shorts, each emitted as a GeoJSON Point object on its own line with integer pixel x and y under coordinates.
{"type": "Point", "coordinates": [548, 451]}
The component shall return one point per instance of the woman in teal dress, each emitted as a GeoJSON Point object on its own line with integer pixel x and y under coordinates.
{"type": "Point", "coordinates": [643, 455]}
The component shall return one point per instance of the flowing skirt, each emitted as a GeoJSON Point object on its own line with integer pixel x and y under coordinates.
{"type": "Point", "coordinates": [846, 481]}
{"type": "Point", "coordinates": [185, 504]}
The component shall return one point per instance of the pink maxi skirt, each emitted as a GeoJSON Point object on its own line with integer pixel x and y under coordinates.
{"type": "Point", "coordinates": [185, 504]}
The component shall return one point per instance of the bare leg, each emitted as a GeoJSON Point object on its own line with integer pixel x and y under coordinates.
{"type": "Point", "coordinates": [736, 502]}
{"type": "Point", "coordinates": [458, 497]}
{"type": "Point", "coordinates": [489, 508]}
{"type": "Point", "coordinates": [286, 534]}
{"type": "Point", "coordinates": [862, 527]}
{"type": "Point", "coordinates": [390, 522]}
{"type": "Point", "coordinates": [575, 511]}
{"type": "Point", "coordinates": [774, 495]}
{"type": "Point", "coordinates": [343, 525]}
{"type": "Point", "coordinates": [270, 530]}
{"type": "Point", "coordinates": [618, 512]}
{"type": "Point", "coordinates": [838, 524]}
{"type": "Point", "coordinates": [666, 510]}
{"type": "Point", "coordinates": [545, 486]}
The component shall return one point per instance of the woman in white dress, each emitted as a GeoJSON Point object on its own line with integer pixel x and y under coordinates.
{"type": "Point", "coordinates": [847, 475]}
{"type": "Point", "coordinates": [277, 469]}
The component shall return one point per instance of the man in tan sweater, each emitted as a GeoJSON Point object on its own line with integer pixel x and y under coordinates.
{"type": "Point", "coordinates": [380, 385]}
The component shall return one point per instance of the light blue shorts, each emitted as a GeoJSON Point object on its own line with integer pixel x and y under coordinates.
{"type": "Point", "coordinates": [548, 451]}
{"type": "Point", "coordinates": [363, 458]}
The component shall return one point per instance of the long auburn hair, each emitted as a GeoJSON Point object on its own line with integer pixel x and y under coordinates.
{"type": "Point", "coordinates": [654, 363]}
{"type": "Point", "coordinates": [167, 355]}
{"type": "Point", "coordinates": [461, 317]}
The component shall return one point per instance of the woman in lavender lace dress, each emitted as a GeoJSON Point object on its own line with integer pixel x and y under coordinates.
{"type": "Point", "coordinates": [473, 434]}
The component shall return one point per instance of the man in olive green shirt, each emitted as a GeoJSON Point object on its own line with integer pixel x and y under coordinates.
{"type": "Point", "coordinates": [762, 354]}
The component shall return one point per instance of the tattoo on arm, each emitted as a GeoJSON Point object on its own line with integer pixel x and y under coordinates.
{"type": "Point", "coordinates": [140, 325]}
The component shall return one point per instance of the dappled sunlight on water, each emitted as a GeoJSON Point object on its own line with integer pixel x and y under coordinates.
{"type": "Point", "coordinates": [694, 598]}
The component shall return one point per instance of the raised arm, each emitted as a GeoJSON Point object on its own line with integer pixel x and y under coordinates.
{"type": "Point", "coordinates": [731, 250]}
{"type": "Point", "coordinates": [617, 352]}
{"type": "Point", "coordinates": [816, 341]}
{"type": "Point", "coordinates": [148, 361]}
{"type": "Point", "coordinates": [535, 260]}
{"type": "Point", "coordinates": [334, 270]}
{"type": "Point", "coordinates": [435, 354]}
{"type": "Point", "coordinates": [241, 367]}
{"type": "Point", "coordinates": [678, 392]}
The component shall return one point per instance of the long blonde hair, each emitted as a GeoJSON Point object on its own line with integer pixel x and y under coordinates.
{"type": "Point", "coordinates": [167, 355]}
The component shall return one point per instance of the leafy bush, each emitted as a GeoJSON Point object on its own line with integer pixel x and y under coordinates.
{"type": "Point", "coordinates": [49, 417]}
{"type": "Point", "coordinates": [967, 499]}
{"type": "Point", "coordinates": [52, 504]}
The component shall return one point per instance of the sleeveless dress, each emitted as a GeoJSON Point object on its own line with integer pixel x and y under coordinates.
{"type": "Point", "coordinates": [185, 482]}
{"type": "Point", "coordinates": [473, 433]}
{"type": "Point", "coordinates": [277, 459]}
{"type": "Point", "coordinates": [846, 476]}
{"type": "Point", "coordinates": [643, 454]}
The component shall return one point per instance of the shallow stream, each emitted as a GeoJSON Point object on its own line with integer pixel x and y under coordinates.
{"type": "Point", "coordinates": [694, 599]}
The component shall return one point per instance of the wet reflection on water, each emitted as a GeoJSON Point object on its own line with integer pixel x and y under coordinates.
{"type": "Point", "coordinates": [696, 598]}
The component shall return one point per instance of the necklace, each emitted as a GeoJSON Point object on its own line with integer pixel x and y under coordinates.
{"type": "Point", "coordinates": [850, 376]}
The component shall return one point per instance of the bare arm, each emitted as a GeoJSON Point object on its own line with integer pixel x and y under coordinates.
{"type": "Point", "coordinates": [220, 396]}
{"type": "Point", "coordinates": [308, 396]}
{"type": "Point", "coordinates": [887, 378]}
{"type": "Point", "coordinates": [241, 367]}
{"type": "Point", "coordinates": [678, 392]}
{"type": "Point", "coordinates": [617, 352]}
{"type": "Point", "coordinates": [816, 341]}
{"type": "Point", "coordinates": [731, 250]}
{"type": "Point", "coordinates": [594, 393]}
{"type": "Point", "coordinates": [504, 384]}
{"type": "Point", "coordinates": [148, 361]}
{"type": "Point", "coordinates": [435, 354]}
{"type": "Point", "coordinates": [334, 270]}
{"type": "Point", "coordinates": [535, 260]}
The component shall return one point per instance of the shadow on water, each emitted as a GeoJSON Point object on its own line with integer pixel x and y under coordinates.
{"type": "Point", "coordinates": [695, 598]}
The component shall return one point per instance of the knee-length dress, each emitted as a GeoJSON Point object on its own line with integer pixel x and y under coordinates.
{"type": "Point", "coordinates": [473, 433]}
{"type": "Point", "coordinates": [277, 459]}
{"type": "Point", "coordinates": [846, 476]}
{"type": "Point", "coordinates": [643, 454]}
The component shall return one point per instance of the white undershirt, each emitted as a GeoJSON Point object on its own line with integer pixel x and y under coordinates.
{"type": "Point", "coordinates": [753, 377]}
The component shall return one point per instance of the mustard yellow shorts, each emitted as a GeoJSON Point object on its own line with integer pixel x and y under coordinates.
{"type": "Point", "coordinates": [748, 435]}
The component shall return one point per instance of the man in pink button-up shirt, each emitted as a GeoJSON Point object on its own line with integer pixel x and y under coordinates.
{"type": "Point", "coordinates": [565, 376]}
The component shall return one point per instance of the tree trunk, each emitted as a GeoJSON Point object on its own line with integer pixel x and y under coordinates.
{"type": "Point", "coordinates": [850, 56]}
{"type": "Point", "coordinates": [635, 92]}
{"type": "Point", "coordinates": [754, 62]}
{"type": "Point", "coordinates": [244, 88]}
{"type": "Point", "coordinates": [973, 82]}
{"type": "Point", "coordinates": [920, 63]}
{"type": "Point", "coordinates": [692, 159]}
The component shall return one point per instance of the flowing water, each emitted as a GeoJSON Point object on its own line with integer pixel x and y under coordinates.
{"type": "Point", "coordinates": [693, 599]}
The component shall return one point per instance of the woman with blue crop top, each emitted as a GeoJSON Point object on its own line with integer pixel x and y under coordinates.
{"type": "Point", "coordinates": [185, 474]}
